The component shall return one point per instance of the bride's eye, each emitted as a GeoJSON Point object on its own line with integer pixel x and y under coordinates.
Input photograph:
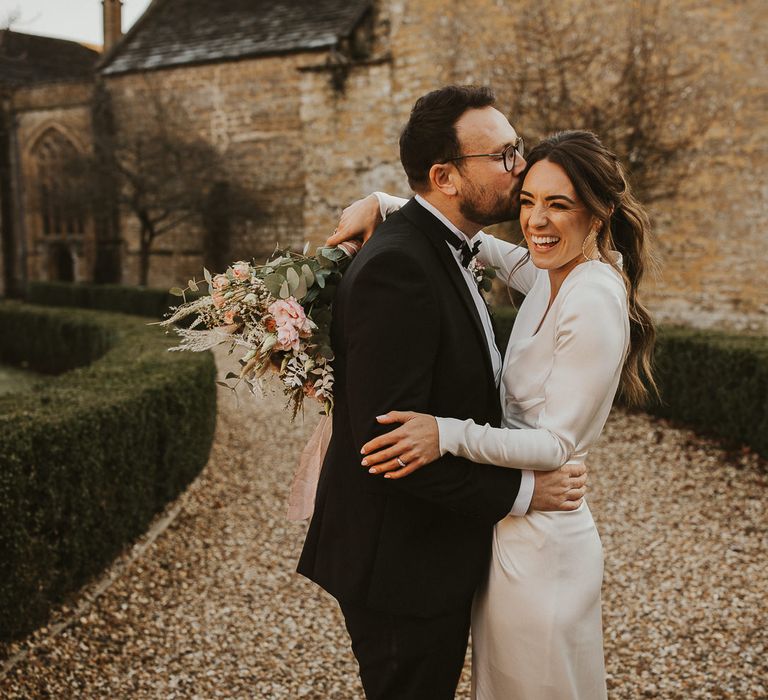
{"type": "Point", "coordinates": [526, 203]}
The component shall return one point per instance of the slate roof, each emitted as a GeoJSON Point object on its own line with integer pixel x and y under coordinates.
{"type": "Point", "coordinates": [26, 59]}
{"type": "Point", "coordinates": [179, 32]}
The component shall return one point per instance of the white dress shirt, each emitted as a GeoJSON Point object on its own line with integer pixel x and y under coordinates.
{"type": "Point", "coordinates": [389, 204]}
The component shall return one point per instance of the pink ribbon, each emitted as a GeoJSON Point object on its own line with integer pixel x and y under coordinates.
{"type": "Point", "coordinates": [301, 499]}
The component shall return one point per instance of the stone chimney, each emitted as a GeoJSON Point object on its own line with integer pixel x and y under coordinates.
{"type": "Point", "coordinates": [113, 22]}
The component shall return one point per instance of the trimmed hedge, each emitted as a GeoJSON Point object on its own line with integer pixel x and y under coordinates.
{"type": "Point", "coordinates": [53, 343]}
{"type": "Point", "coordinates": [88, 458]}
{"type": "Point", "coordinates": [140, 301]}
{"type": "Point", "coordinates": [715, 382]}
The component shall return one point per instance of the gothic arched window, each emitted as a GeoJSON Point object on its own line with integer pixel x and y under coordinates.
{"type": "Point", "coordinates": [60, 199]}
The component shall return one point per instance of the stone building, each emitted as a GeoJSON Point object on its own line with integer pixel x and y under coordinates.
{"type": "Point", "coordinates": [45, 89]}
{"type": "Point", "coordinates": [304, 101]}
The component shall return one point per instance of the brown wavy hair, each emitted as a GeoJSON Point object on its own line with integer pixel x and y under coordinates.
{"type": "Point", "coordinates": [601, 183]}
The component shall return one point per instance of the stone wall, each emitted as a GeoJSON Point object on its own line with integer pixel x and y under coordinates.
{"type": "Point", "coordinates": [711, 240]}
{"type": "Point", "coordinates": [250, 111]}
{"type": "Point", "coordinates": [308, 140]}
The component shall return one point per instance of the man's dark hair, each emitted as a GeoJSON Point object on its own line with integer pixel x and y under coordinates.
{"type": "Point", "coordinates": [430, 137]}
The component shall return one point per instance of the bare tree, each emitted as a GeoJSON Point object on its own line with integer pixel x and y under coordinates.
{"type": "Point", "coordinates": [628, 71]}
{"type": "Point", "coordinates": [156, 170]}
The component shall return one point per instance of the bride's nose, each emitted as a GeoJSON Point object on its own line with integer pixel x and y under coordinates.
{"type": "Point", "coordinates": [538, 217]}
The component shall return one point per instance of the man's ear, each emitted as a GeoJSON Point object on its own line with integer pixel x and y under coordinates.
{"type": "Point", "coordinates": [443, 176]}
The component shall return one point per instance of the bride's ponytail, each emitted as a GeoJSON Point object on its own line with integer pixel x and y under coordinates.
{"type": "Point", "coordinates": [628, 233]}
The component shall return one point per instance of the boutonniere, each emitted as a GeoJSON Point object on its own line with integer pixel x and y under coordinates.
{"type": "Point", "coordinates": [483, 274]}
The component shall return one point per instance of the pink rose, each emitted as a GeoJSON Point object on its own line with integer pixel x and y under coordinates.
{"type": "Point", "coordinates": [229, 317]}
{"type": "Point", "coordinates": [241, 270]}
{"type": "Point", "coordinates": [287, 337]}
{"type": "Point", "coordinates": [218, 299]}
{"type": "Point", "coordinates": [291, 322]}
{"type": "Point", "coordinates": [220, 281]}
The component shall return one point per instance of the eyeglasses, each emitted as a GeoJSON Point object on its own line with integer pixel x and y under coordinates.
{"type": "Point", "coordinates": [508, 155]}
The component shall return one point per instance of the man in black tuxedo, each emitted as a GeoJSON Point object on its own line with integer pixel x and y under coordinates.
{"type": "Point", "coordinates": [410, 332]}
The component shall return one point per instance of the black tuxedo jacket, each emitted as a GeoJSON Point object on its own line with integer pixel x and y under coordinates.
{"type": "Point", "coordinates": [407, 336]}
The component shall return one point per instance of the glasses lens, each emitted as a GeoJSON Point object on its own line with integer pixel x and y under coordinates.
{"type": "Point", "coordinates": [520, 146]}
{"type": "Point", "coordinates": [509, 158]}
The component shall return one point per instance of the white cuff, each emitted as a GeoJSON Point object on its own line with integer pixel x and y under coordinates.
{"type": "Point", "coordinates": [524, 495]}
{"type": "Point", "coordinates": [388, 203]}
{"type": "Point", "coordinates": [382, 204]}
{"type": "Point", "coordinates": [447, 429]}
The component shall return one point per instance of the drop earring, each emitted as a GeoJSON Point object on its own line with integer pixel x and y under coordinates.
{"type": "Point", "coordinates": [594, 249]}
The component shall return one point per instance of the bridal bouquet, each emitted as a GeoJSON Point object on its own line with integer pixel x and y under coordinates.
{"type": "Point", "coordinates": [277, 315]}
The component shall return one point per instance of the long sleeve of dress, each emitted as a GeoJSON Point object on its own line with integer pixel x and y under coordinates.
{"type": "Point", "coordinates": [493, 251]}
{"type": "Point", "coordinates": [591, 340]}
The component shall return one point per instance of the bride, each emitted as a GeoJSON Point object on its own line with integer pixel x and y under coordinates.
{"type": "Point", "coordinates": [580, 335]}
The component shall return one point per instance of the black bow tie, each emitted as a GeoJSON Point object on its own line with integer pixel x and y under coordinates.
{"type": "Point", "coordinates": [467, 253]}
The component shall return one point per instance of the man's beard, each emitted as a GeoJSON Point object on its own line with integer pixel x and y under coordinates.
{"type": "Point", "coordinates": [478, 205]}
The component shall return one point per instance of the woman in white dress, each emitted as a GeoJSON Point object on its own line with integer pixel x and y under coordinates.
{"type": "Point", "coordinates": [580, 335]}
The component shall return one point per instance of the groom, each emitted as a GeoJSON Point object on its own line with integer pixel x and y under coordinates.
{"type": "Point", "coordinates": [410, 332]}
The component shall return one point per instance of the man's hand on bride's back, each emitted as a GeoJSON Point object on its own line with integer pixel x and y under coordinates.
{"type": "Point", "coordinates": [358, 220]}
{"type": "Point", "coordinates": [561, 489]}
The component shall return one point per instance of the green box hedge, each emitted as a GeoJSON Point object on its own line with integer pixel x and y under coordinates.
{"type": "Point", "coordinates": [140, 301]}
{"type": "Point", "coordinates": [90, 456]}
{"type": "Point", "coordinates": [715, 382]}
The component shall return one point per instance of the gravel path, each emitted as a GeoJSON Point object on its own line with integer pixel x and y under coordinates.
{"type": "Point", "coordinates": [212, 607]}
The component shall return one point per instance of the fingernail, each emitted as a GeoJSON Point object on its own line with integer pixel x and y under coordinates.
{"type": "Point", "coordinates": [362, 450]}
{"type": "Point", "coordinates": [372, 470]}
{"type": "Point", "coordinates": [364, 462]}
{"type": "Point", "coordinates": [387, 476]}
{"type": "Point", "coordinates": [381, 417]}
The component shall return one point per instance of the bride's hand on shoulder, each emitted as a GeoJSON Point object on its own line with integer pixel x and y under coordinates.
{"type": "Point", "coordinates": [405, 449]}
{"type": "Point", "coordinates": [358, 220]}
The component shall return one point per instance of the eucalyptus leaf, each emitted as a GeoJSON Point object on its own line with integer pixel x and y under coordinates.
{"type": "Point", "coordinates": [193, 286]}
{"type": "Point", "coordinates": [207, 276]}
{"type": "Point", "coordinates": [335, 254]}
{"type": "Point", "coordinates": [325, 262]}
{"type": "Point", "coordinates": [309, 276]}
{"type": "Point", "coordinates": [285, 291]}
{"type": "Point", "coordinates": [301, 291]}
{"type": "Point", "coordinates": [274, 283]}
{"type": "Point", "coordinates": [232, 375]}
{"type": "Point", "coordinates": [292, 277]}
{"type": "Point", "coordinates": [176, 291]}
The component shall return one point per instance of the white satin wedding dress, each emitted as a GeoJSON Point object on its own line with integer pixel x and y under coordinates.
{"type": "Point", "coordinates": [536, 622]}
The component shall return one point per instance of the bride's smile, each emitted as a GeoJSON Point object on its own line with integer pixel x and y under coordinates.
{"type": "Point", "coordinates": [554, 220]}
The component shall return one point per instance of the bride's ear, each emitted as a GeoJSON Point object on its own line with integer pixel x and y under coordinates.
{"type": "Point", "coordinates": [442, 176]}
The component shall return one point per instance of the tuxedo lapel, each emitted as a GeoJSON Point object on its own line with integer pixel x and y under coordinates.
{"type": "Point", "coordinates": [436, 232]}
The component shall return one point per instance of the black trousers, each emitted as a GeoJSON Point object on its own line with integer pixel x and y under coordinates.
{"type": "Point", "coordinates": [408, 658]}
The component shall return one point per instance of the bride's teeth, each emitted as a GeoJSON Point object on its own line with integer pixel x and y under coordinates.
{"type": "Point", "coordinates": [541, 240]}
